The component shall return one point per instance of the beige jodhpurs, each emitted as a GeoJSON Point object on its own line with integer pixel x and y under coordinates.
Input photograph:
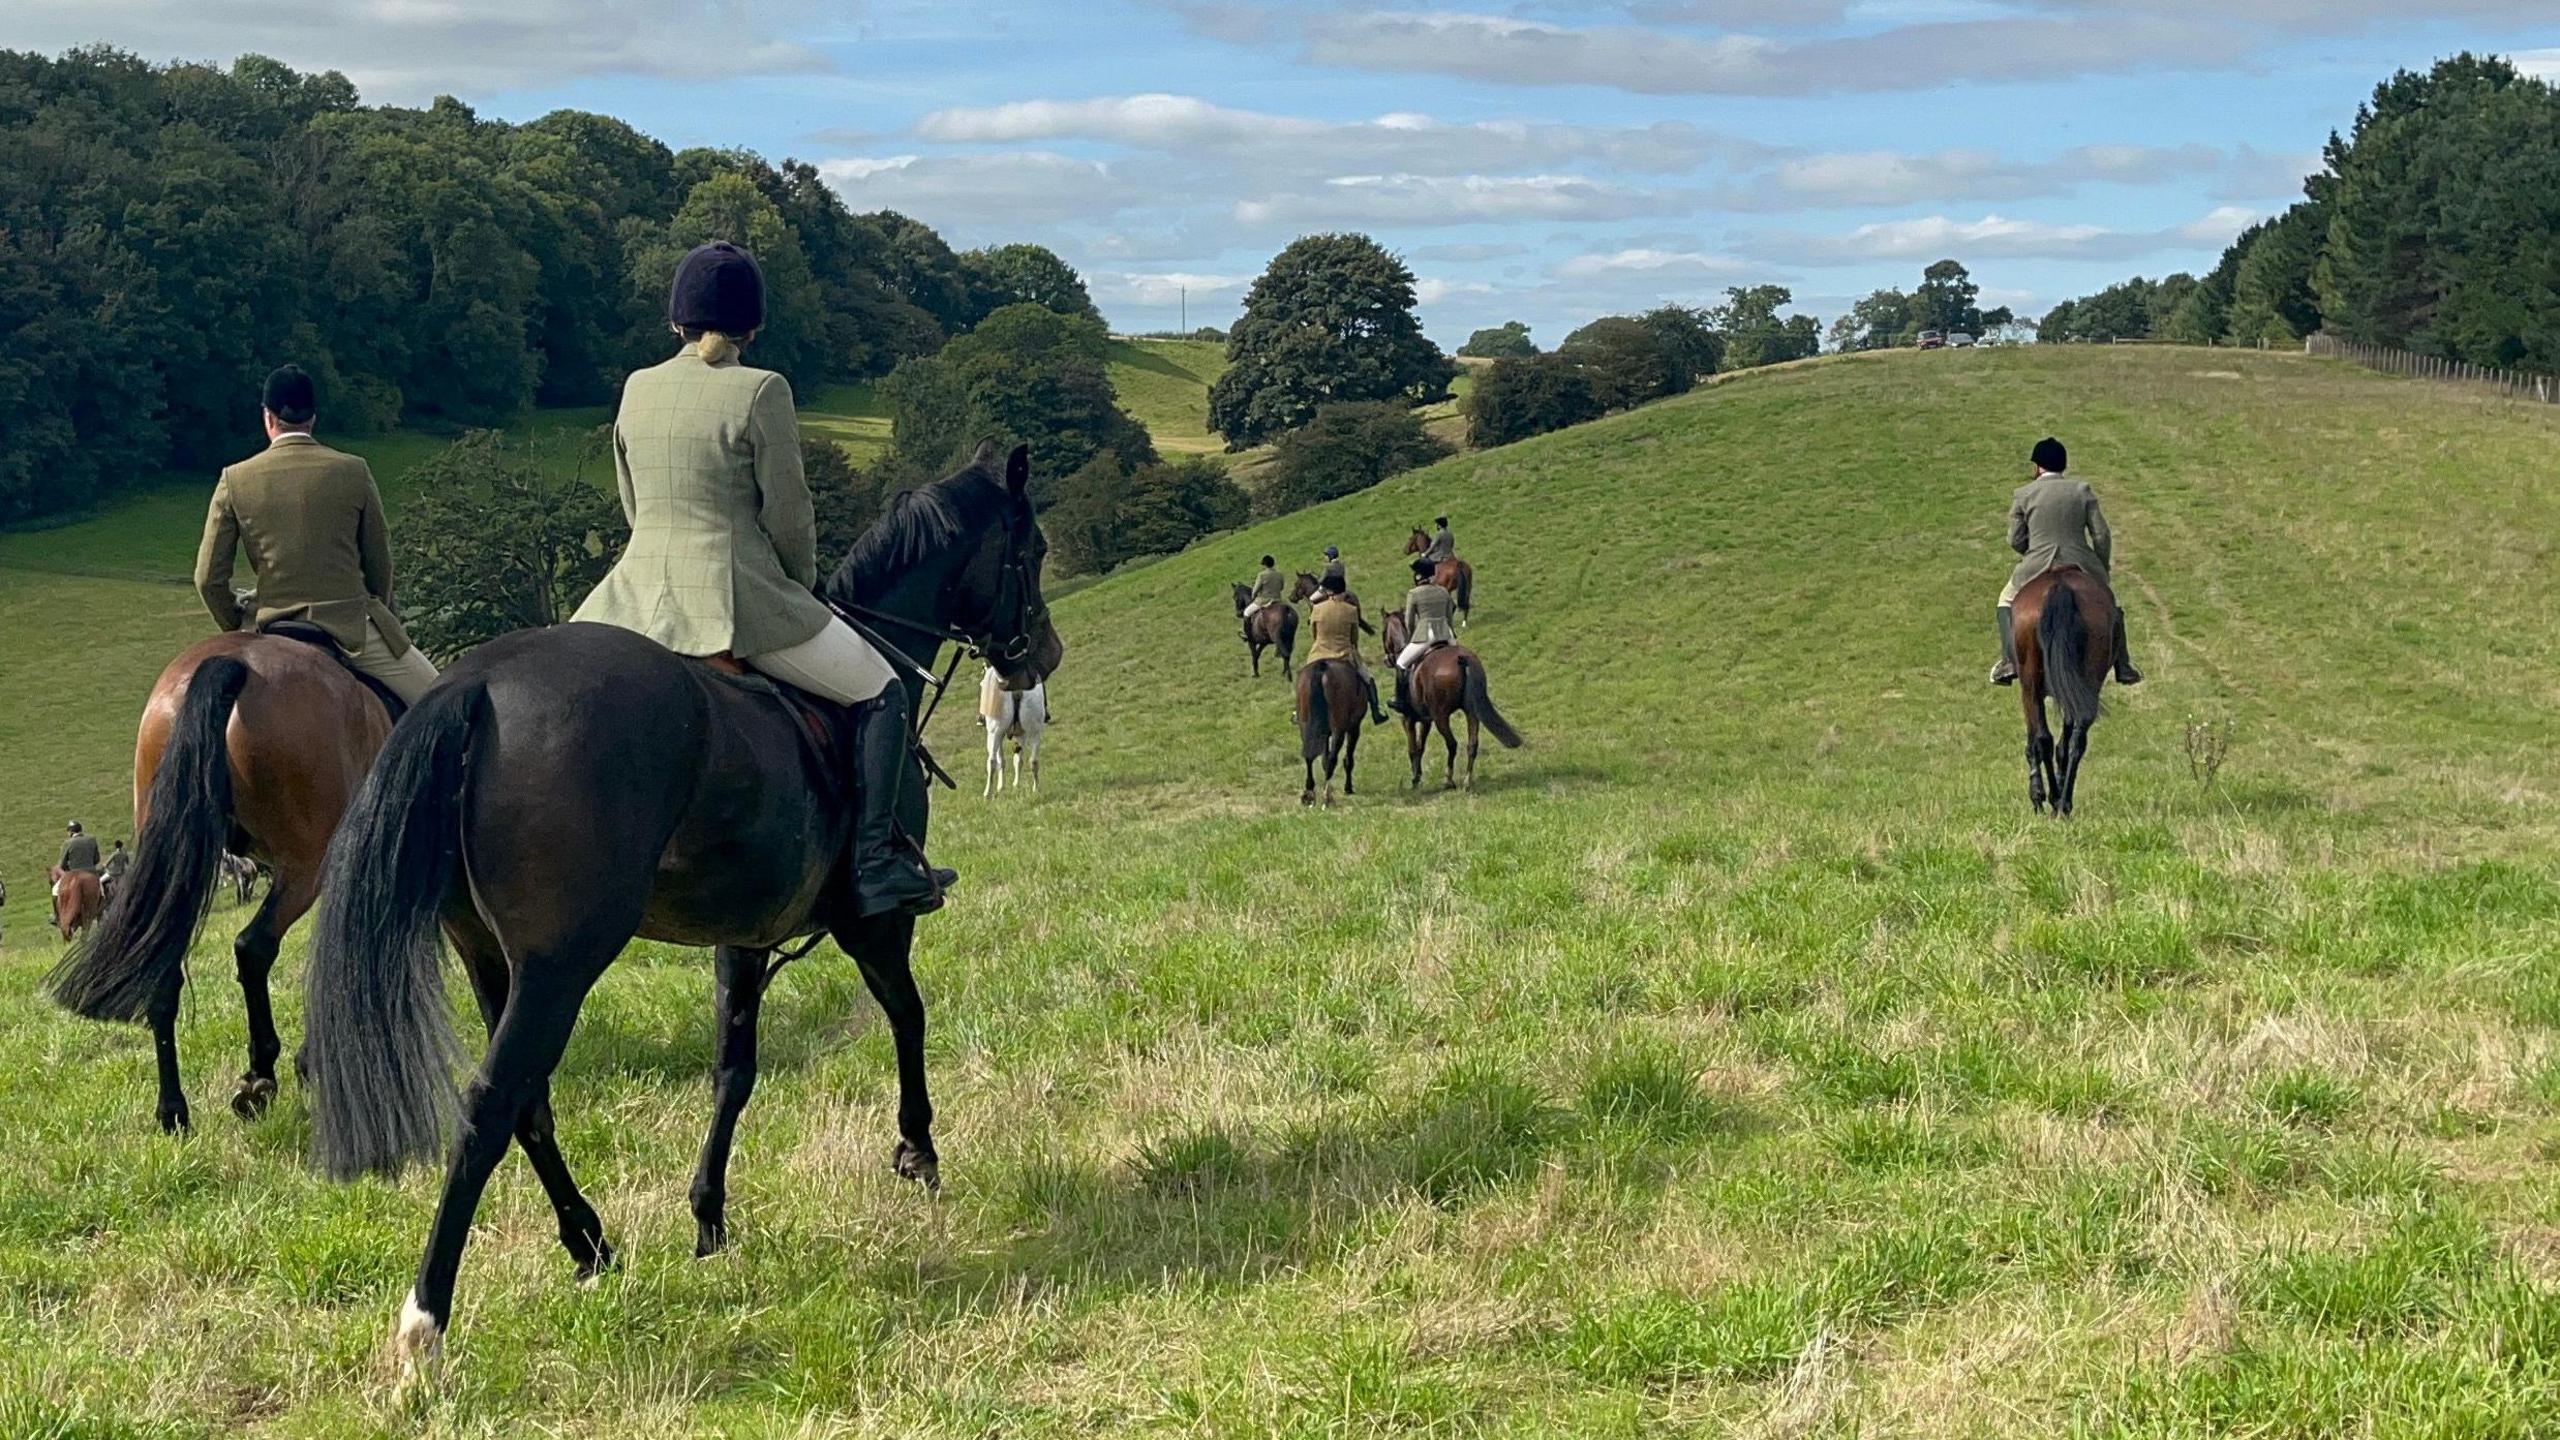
{"type": "Point", "coordinates": [834, 664]}
{"type": "Point", "coordinates": [408, 674]}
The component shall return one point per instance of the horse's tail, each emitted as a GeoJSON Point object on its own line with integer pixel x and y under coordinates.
{"type": "Point", "coordinates": [1466, 587]}
{"type": "Point", "coordinates": [1315, 717]}
{"type": "Point", "coordinates": [128, 958]}
{"type": "Point", "coordinates": [1479, 703]}
{"type": "Point", "coordinates": [2064, 641]}
{"type": "Point", "coordinates": [377, 1032]}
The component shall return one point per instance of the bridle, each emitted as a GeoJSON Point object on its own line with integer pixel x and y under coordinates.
{"type": "Point", "coordinates": [1015, 584]}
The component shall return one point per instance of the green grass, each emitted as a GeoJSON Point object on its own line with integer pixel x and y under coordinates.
{"type": "Point", "coordinates": [1740, 1057]}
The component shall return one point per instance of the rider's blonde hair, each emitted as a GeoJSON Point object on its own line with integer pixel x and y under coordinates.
{"type": "Point", "coordinates": [714, 347]}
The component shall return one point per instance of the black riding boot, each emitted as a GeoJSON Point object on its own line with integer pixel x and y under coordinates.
{"type": "Point", "coordinates": [2125, 673]}
{"type": "Point", "coordinates": [1404, 694]}
{"type": "Point", "coordinates": [889, 870]}
{"type": "Point", "coordinates": [1377, 712]}
{"type": "Point", "coordinates": [2006, 672]}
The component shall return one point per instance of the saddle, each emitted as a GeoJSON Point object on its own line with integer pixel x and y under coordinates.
{"type": "Point", "coordinates": [825, 730]}
{"type": "Point", "coordinates": [320, 639]}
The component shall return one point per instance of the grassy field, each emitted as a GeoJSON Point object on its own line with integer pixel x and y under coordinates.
{"type": "Point", "coordinates": [1740, 1057]}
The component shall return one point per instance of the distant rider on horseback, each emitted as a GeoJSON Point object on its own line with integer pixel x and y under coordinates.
{"type": "Point", "coordinates": [1269, 589]}
{"type": "Point", "coordinates": [1337, 623]}
{"type": "Point", "coordinates": [2054, 521]}
{"type": "Point", "coordinates": [311, 520]}
{"type": "Point", "coordinates": [1429, 616]}
{"type": "Point", "coordinates": [724, 550]}
{"type": "Point", "coordinates": [1332, 579]}
{"type": "Point", "coordinates": [1443, 546]}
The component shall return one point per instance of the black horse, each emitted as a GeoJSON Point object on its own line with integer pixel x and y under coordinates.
{"type": "Point", "coordinates": [561, 791]}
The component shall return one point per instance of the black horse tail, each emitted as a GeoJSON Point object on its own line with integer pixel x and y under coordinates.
{"type": "Point", "coordinates": [1315, 727]}
{"type": "Point", "coordinates": [1479, 703]}
{"type": "Point", "coordinates": [2064, 640]}
{"type": "Point", "coordinates": [137, 951]}
{"type": "Point", "coordinates": [1466, 587]}
{"type": "Point", "coordinates": [378, 1034]}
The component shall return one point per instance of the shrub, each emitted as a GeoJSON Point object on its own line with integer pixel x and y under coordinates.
{"type": "Point", "coordinates": [1507, 341]}
{"type": "Point", "coordinates": [497, 541]}
{"type": "Point", "coordinates": [1107, 516]}
{"type": "Point", "coordinates": [1627, 362]}
{"type": "Point", "coordinates": [1516, 399]}
{"type": "Point", "coordinates": [1346, 449]}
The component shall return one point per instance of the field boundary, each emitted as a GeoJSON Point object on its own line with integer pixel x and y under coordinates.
{"type": "Point", "coordinates": [2518, 383]}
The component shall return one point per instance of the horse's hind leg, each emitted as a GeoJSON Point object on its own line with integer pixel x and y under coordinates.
{"type": "Point", "coordinates": [163, 1019]}
{"type": "Point", "coordinates": [1449, 754]}
{"type": "Point", "coordinates": [741, 980]}
{"type": "Point", "coordinates": [581, 1229]}
{"type": "Point", "coordinates": [1416, 740]}
{"type": "Point", "coordinates": [2075, 747]}
{"type": "Point", "coordinates": [253, 955]}
{"type": "Point", "coordinates": [509, 1091]}
{"type": "Point", "coordinates": [881, 948]}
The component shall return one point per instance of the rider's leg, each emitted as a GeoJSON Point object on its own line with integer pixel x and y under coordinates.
{"type": "Point", "coordinates": [890, 873]}
{"type": "Point", "coordinates": [408, 673]}
{"type": "Point", "coordinates": [1405, 661]}
{"type": "Point", "coordinates": [2125, 673]}
{"type": "Point", "coordinates": [2006, 672]}
{"type": "Point", "coordinates": [1369, 682]}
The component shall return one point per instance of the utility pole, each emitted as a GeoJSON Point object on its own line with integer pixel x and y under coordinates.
{"type": "Point", "coordinates": [1186, 309]}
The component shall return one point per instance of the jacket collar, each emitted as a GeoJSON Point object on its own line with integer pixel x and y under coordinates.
{"type": "Point", "coordinates": [294, 437]}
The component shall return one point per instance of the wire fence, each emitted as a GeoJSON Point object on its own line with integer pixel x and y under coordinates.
{"type": "Point", "coordinates": [2520, 384]}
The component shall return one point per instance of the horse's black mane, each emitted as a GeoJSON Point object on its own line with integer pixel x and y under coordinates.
{"type": "Point", "coordinates": [916, 524]}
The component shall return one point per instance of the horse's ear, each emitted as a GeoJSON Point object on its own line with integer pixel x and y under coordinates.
{"type": "Point", "coordinates": [1017, 470]}
{"type": "Point", "coordinates": [985, 459]}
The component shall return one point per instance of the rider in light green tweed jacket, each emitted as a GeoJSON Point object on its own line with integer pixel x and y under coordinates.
{"type": "Point", "coordinates": [724, 550]}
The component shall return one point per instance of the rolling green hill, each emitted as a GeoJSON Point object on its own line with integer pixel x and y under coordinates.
{"type": "Point", "coordinates": [1741, 1056]}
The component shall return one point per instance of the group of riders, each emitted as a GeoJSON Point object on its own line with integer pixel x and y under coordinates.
{"type": "Point", "coordinates": [722, 559]}
{"type": "Point", "coordinates": [1430, 615]}
{"type": "Point", "coordinates": [80, 856]}
{"type": "Point", "coordinates": [720, 564]}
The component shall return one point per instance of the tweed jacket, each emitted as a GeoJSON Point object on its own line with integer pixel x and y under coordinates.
{"type": "Point", "coordinates": [312, 521]}
{"type": "Point", "coordinates": [2054, 521]}
{"type": "Point", "coordinates": [724, 539]}
{"type": "Point", "coordinates": [1443, 546]}
{"type": "Point", "coordinates": [1429, 615]}
{"type": "Point", "coordinates": [1336, 622]}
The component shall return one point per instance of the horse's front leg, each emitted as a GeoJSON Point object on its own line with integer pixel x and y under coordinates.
{"type": "Point", "coordinates": [882, 949]}
{"type": "Point", "coordinates": [741, 976]}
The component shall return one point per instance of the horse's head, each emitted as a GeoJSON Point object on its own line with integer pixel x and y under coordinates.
{"type": "Point", "coordinates": [1244, 596]}
{"type": "Point", "coordinates": [1306, 585]}
{"type": "Point", "coordinates": [959, 560]}
{"type": "Point", "coordinates": [1391, 633]}
{"type": "Point", "coordinates": [1419, 543]}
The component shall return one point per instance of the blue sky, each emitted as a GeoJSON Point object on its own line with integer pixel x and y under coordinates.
{"type": "Point", "coordinates": [1548, 162]}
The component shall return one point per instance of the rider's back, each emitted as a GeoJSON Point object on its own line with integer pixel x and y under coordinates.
{"type": "Point", "coordinates": [723, 544]}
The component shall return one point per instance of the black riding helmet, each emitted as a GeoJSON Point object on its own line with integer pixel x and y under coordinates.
{"type": "Point", "coordinates": [717, 287]}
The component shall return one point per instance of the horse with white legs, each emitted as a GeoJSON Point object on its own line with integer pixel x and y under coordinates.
{"type": "Point", "coordinates": [1017, 715]}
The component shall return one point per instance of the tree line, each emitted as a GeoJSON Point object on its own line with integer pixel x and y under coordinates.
{"type": "Point", "coordinates": [170, 232]}
{"type": "Point", "coordinates": [2430, 227]}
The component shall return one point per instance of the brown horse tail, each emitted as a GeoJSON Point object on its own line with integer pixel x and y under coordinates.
{"type": "Point", "coordinates": [2064, 639]}
{"type": "Point", "coordinates": [1466, 587]}
{"type": "Point", "coordinates": [136, 955]}
{"type": "Point", "coordinates": [1479, 703]}
{"type": "Point", "coordinates": [1315, 721]}
{"type": "Point", "coordinates": [377, 1032]}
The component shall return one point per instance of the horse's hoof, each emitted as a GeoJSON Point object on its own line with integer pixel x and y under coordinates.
{"type": "Point", "coordinates": [256, 1092]}
{"type": "Point", "coordinates": [920, 1165]}
{"type": "Point", "coordinates": [710, 1238]}
{"type": "Point", "coordinates": [417, 1344]}
{"type": "Point", "coordinates": [597, 1264]}
{"type": "Point", "coordinates": [174, 1119]}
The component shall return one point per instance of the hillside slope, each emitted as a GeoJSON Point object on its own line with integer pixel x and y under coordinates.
{"type": "Point", "coordinates": [1741, 1054]}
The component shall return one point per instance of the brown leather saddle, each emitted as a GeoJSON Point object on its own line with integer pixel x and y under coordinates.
{"type": "Point", "coordinates": [827, 730]}
{"type": "Point", "coordinates": [320, 639]}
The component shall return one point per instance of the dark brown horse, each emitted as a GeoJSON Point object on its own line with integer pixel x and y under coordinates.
{"type": "Point", "coordinates": [250, 744]}
{"type": "Point", "coordinates": [563, 791]}
{"type": "Point", "coordinates": [2064, 625]}
{"type": "Point", "coordinates": [1447, 681]}
{"type": "Point", "coordinates": [1332, 705]}
{"type": "Point", "coordinates": [1272, 628]}
{"type": "Point", "coordinates": [78, 898]}
{"type": "Point", "coordinates": [1453, 575]}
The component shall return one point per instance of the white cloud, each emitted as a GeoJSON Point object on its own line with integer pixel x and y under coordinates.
{"type": "Point", "coordinates": [1669, 62]}
{"type": "Point", "coordinates": [409, 50]}
{"type": "Point", "coordinates": [1432, 289]}
{"type": "Point", "coordinates": [1431, 200]}
{"type": "Point", "coordinates": [1855, 179]}
{"type": "Point", "coordinates": [1935, 237]}
{"type": "Point", "coordinates": [2540, 64]}
{"type": "Point", "coordinates": [1293, 145]}
{"type": "Point", "coordinates": [1026, 187]}
{"type": "Point", "coordinates": [1651, 262]}
{"type": "Point", "coordinates": [1164, 287]}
